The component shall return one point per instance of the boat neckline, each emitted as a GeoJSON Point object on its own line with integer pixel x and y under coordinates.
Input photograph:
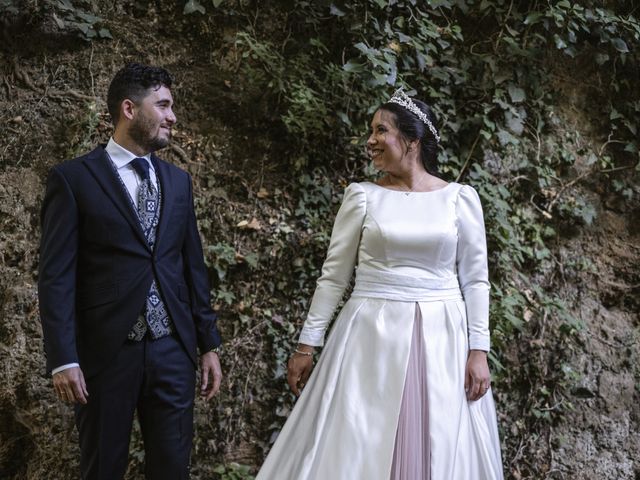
{"type": "Point", "coordinates": [409, 191]}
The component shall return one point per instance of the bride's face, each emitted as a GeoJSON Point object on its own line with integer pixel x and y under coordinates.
{"type": "Point", "coordinates": [385, 146]}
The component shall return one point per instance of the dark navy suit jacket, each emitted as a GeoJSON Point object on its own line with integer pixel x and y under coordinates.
{"type": "Point", "coordinates": [96, 267]}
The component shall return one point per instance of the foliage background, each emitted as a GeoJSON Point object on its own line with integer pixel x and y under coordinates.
{"type": "Point", "coordinates": [539, 108]}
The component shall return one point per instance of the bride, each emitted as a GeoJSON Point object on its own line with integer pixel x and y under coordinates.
{"type": "Point", "coordinates": [402, 388]}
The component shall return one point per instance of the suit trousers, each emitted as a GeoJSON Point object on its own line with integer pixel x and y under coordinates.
{"type": "Point", "coordinates": [156, 378]}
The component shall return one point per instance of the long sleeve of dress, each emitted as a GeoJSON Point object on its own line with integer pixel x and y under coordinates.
{"type": "Point", "coordinates": [338, 266]}
{"type": "Point", "coordinates": [471, 261]}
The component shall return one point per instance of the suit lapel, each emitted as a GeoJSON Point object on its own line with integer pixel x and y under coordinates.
{"type": "Point", "coordinates": [98, 164]}
{"type": "Point", "coordinates": [168, 191]}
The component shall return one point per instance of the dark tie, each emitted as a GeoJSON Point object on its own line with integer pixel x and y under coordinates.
{"type": "Point", "coordinates": [141, 166]}
{"type": "Point", "coordinates": [156, 320]}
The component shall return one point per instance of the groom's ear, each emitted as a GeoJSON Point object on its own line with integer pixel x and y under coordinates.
{"type": "Point", "coordinates": [127, 109]}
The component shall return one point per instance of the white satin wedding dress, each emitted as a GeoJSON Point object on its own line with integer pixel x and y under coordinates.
{"type": "Point", "coordinates": [386, 400]}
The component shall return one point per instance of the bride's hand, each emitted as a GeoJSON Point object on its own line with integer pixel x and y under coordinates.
{"type": "Point", "coordinates": [477, 378]}
{"type": "Point", "coordinates": [299, 368]}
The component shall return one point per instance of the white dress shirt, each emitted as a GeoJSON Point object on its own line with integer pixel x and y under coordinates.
{"type": "Point", "coordinates": [121, 158]}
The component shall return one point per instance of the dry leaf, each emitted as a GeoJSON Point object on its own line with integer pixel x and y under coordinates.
{"type": "Point", "coordinates": [528, 315]}
{"type": "Point", "coordinates": [254, 224]}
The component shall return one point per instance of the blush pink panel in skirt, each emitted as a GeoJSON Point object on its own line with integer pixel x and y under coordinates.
{"type": "Point", "coordinates": [411, 455]}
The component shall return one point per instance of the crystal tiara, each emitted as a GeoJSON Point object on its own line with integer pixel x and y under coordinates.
{"type": "Point", "coordinates": [403, 100]}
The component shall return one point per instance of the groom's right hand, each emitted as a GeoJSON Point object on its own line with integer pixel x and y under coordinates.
{"type": "Point", "coordinates": [70, 386]}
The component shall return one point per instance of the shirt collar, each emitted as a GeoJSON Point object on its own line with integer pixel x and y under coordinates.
{"type": "Point", "coordinates": [121, 157]}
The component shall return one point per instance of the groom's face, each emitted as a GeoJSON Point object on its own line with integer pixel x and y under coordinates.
{"type": "Point", "coordinates": [153, 119]}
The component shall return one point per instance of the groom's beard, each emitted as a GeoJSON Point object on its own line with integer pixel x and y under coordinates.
{"type": "Point", "coordinates": [146, 134]}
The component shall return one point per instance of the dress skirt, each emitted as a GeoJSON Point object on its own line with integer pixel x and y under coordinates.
{"type": "Point", "coordinates": [363, 414]}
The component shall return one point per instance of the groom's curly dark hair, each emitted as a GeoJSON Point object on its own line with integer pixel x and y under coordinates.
{"type": "Point", "coordinates": [133, 82]}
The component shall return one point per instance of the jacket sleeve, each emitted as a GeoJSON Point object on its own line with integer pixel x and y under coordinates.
{"type": "Point", "coordinates": [473, 273]}
{"type": "Point", "coordinates": [197, 279]}
{"type": "Point", "coordinates": [338, 266]}
{"type": "Point", "coordinates": [57, 271]}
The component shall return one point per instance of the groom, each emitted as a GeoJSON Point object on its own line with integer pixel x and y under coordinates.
{"type": "Point", "coordinates": [123, 288]}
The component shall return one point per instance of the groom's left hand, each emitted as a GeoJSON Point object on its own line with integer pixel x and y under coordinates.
{"type": "Point", "coordinates": [211, 375]}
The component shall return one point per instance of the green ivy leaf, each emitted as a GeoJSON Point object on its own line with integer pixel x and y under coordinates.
{"type": "Point", "coordinates": [506, 138]}
{"type": "Point", "coordinates": [333, 10]}
{"type": "Point", "coordinates": [631, 147]}
{"type": "Point", "coordinates": [532, 18]}
{"type": "Point", "coordinates": [353, 66]}
{"type": "Point", "coordinates": [59, 22]}
{"type": "Point", "coordinates": [343, 116]}
{"type": "Point", "coordinates": [87, 17]}
{"type": "Point", "coordinates": [441, 3]}
{"type": "Point", "coordinates": [66, 5]}
{"type": "Point", "coordinates": [363, 48]}
{"type": "Point", "coordinates": [516, 93]}
{"type": "Point", "coordinates": [514, 122]}
{"type": "Point", "coordinates": [560, 43]}
{"type": "Point", "coordinates": [404, 38]}
{"type": "Point", "coordinates": [252, 260]}
{"type": "Point", "coordinates": [620, 45]}
{"type": "Point", "coordinates": [193, 6]}
{"type": "Point", "coordinates": [615, 114]}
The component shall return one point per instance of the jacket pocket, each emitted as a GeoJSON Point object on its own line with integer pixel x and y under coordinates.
{"type": "Point", "coordinates": [96, 296]}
